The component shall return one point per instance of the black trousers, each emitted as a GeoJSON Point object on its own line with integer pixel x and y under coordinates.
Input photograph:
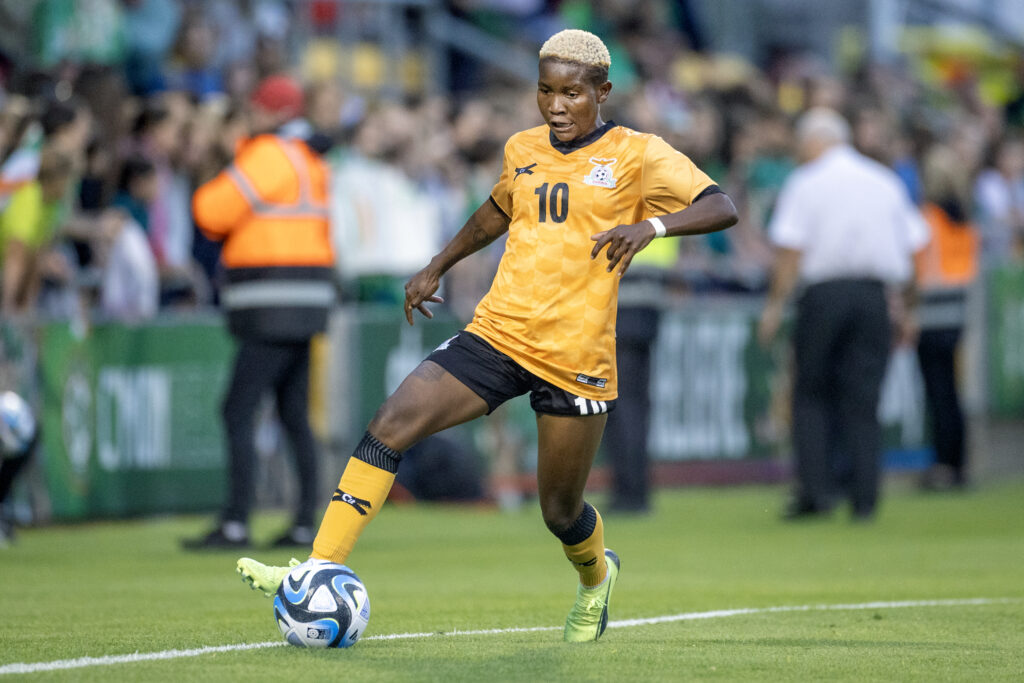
{"type": "Point", "coordinates": [841, 348]}
{"type": "Point", "coordinates": [10, 466]}
{"type": "Point", "coordinates": [936, 353]}
{"type": "Point", "coordinates": [625, 435]}
{"type": "Point", "coordinates": [282, 368]}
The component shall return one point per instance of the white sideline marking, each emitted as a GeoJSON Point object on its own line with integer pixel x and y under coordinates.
{"type": "Point", "coordinates": [82, 662]}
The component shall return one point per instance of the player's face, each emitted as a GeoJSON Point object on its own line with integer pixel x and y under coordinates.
{"type": "Point", "coordinates": [569, 103]}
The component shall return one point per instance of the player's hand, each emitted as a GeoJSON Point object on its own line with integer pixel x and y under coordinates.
{"type": "Point", "coordinates": [419, 290]}
{"type": "Point", "coordinates": [907, 330]}
{"type": "Point", "coordinates": [623, 242]}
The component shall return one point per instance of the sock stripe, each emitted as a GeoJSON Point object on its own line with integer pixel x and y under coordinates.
{"type": "Point", "coordinates": [373, 452]}
{"type": "Point", "coordinates": [582, 528]}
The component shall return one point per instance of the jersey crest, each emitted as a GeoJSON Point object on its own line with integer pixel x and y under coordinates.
{"type": "Point", "coordinates": [601, 175]}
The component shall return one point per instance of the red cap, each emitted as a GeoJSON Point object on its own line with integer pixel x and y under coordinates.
{"type": "Point", "coordinates": [278, 95]}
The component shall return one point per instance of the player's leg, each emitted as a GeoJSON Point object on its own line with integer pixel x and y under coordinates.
{"type": "Point", "coordinates": [566, 449]}
{"type": "Point", "coordinates": [428, 401]}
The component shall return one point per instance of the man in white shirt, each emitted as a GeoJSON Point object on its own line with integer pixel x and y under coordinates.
{"type": "Point", "coordinates": [845, 229]}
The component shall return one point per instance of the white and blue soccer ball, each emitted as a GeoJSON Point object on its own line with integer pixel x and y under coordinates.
{"type": "Point", "coordinates": [17, 424]}
{"type": "Point", "coordinates": [321, 604]}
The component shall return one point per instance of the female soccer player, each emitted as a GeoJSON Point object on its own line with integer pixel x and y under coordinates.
{"type": "Point", "coordinates": [579, 198]}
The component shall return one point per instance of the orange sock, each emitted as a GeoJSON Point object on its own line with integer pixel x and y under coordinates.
{"type": "Point", "coordinates": [363, 488]}
{"type": "Point", "coordinates": [583, 544]}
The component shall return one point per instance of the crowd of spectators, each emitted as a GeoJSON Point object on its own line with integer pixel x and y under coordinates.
{"type": "Point", "coordinates": [116, 110]}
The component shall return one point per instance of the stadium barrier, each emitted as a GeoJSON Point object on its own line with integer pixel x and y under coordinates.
{"type": "Point", "coordinates": [131, 414]}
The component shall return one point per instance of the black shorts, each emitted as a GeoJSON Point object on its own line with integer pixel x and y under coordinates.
{"type": "Point", "coordinates": [496, 378]}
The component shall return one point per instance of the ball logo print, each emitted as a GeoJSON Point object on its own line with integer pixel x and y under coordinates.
{"type": "Point", "coordinates": [321, 604]}
{"type": "Point", "coordinates": [601, 175]}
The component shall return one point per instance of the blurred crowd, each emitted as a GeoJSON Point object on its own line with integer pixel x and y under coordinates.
{"type": "Point", "coordinates": [117, 109]}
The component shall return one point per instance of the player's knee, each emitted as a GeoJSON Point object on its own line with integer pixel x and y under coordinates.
{"type": "Point", "coordinates": [397, 425]}
{"type": "Point", "coordinates": [386, 423]}
{"type": "Point", "coordinates": [558, 515]}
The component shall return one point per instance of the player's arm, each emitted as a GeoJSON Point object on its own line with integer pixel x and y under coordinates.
{"type": "Point", "coordinates": [710, 213]}
{"type": "Point", "coordinates": [487, 224]}
{"type": "Point", "coordinates": [784, 278]}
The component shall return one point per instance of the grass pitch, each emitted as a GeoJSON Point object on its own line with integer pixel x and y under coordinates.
{"type": "Point", "coordinates": [114, 589]}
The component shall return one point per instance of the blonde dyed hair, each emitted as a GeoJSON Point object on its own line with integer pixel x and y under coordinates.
{"type": "Point", "coordinates": [574, 45]}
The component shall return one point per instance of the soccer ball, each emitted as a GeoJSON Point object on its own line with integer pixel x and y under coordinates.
{"type": "Point", "coordinates": [321, 604]}
{"type": "Point", "coordinates": [17, 424]}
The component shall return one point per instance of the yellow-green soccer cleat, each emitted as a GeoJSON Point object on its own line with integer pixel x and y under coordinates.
{"type": "Point", "coordinates": [263, 577]}
{"type": "Point", "coordinates": [589, 616]}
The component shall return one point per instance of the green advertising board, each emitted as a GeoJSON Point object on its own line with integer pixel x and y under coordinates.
{"type": "Point", "coordinates": [131, 418]}
{"type": "Point", "coordinates": [1005, 350]}
{"type": "Point", "coordinates": [715, 392]}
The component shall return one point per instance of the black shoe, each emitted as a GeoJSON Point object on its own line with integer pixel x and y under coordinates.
{"type": "Point", "coordinates": [297, 536]}
{"type": "Point", "coordinates": [217, 540]}
{"type": "Point", "coordinates": [941, 478]}
{"type": "Point", "coordinates": [798, 509]}
{"type": "Point", "coordinates": [862, 516]}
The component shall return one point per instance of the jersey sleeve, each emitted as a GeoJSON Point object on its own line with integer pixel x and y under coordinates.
{"type": "Point", "coordinates": [501, 194]}
{"type": "Point", "coordinates": [670, 180]}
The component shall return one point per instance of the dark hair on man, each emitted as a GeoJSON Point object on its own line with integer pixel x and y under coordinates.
{"type": "Point", "coordinates": [134, 167]}
{"type": "Point", "coordinates": [153, 113]}
{"type": "Point", "coordinates": [58, 114]}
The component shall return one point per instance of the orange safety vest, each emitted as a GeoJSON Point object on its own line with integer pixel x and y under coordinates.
{"type": "Point", "coordinates": [945, 269]}
{"type": "Point", "coordinates": [269, 208]}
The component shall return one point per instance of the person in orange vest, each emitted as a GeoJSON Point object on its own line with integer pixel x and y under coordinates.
{"type": "Point", "coordinates": [946, 268]}
{"type": "Point", "coordinates": [269, 210]}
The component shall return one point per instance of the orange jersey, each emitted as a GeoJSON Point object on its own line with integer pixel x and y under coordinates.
{"type": "Point", "coordinates": [551, 308]}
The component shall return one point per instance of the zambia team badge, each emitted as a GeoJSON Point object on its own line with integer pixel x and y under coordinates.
{"type": "Point", "coordinates": [601, 175]}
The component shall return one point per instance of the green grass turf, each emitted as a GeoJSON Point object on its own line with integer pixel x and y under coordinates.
{"type": "Point", "coordinates": [123, 587]}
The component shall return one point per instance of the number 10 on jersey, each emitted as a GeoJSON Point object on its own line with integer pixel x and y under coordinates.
{"type": "Point", "coordinates": [556, 204]}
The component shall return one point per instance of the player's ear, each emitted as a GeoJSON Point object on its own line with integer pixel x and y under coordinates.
{"type": "Point", "coordinates": [603, 90]}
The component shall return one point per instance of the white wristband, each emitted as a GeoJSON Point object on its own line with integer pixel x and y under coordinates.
{"type": "Point", "coordinates": [659, 227]}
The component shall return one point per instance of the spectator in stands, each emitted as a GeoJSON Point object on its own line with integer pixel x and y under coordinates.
{"type": "Point", "coordinates": [999, 197]}
{"type": "Point", "coordinates": [20, 140]}
{"type": "Point", "coordinates": [845, 228]}
{"type": "Point", "coordinates": [193, 69]}
{"type": "Point", "coordinates": [137, 188]}
{"type": "Point", "coordinates": [130, 283]}
{"type": "Point", "coordinates": [150, 28]}
{"type": "Point", "coordinates": [28, 226]}
{"type": "Point", "coordinates": [67, 126]}
{"type": "Point", "coordinates": [160, 130]}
